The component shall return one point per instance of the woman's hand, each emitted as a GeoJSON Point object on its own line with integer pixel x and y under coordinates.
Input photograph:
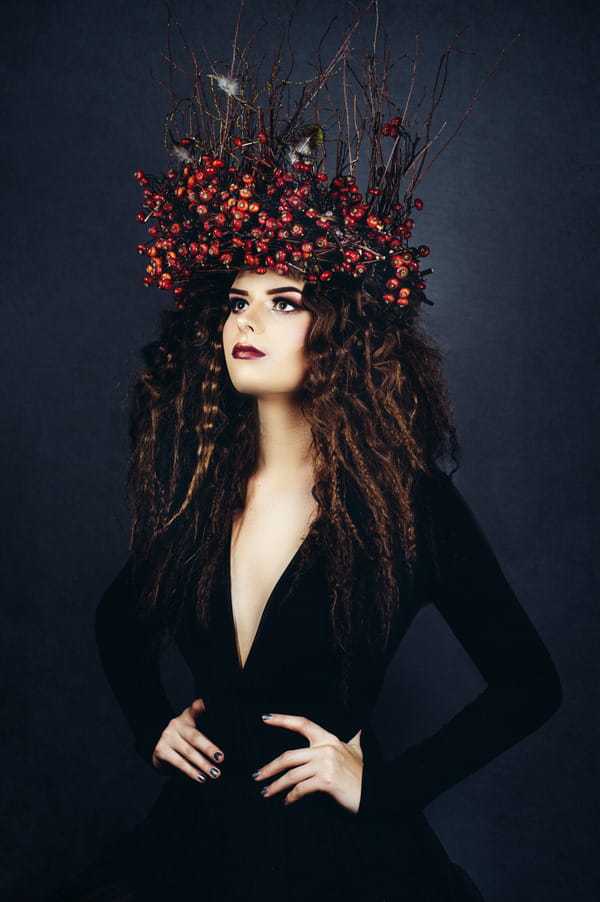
{"type": "Point", "coordinates": [186, 748]}
{"type": "Point", "coordinates": [326, 765]}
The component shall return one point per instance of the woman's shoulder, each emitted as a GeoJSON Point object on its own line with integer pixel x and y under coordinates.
{"type": "Point", "coordinates": [441, 510]}
{"type": "Point", "coordinates": [434, 490]}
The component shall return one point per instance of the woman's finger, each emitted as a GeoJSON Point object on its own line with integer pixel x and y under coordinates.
{"type": "Point", "coordinates": [289, 758]}
{"type": "Point", "coordinates": [303, 788]}
{"type": "Point", "coordinates": [201, 741]}
{"type": "Point", "coordinates": [296, 776]}
{"type": "Point", "coordinates": [195, 757]}
{"type": "Point", "coordinates": [197, 707]}
{"type": "Point", "coordinates": [300, 724]}
{"type": "Point", "coordinates": [171, 756]}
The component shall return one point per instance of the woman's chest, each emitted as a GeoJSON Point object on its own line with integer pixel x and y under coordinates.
{"type": "Point", "coordinates": [265, 539]}
{"type": "Point", "coordinates": [293, 651]}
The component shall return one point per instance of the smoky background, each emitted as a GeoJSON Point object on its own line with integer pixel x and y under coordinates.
{"type": "Point", "coordinates": [511, 218]}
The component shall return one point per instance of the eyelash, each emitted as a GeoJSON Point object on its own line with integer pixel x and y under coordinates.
{"type": "Point", "coordinates": [276, 300]}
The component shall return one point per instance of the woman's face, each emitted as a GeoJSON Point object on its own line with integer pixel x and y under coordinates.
{"type": "Point", "coordinates": [265, 334]}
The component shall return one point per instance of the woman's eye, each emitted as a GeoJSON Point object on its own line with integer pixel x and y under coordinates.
{"type": "Point", "coordinates": [236, 304]}
{"type": "Point", "coordinates": [285, 305]}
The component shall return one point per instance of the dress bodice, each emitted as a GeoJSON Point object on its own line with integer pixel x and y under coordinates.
{"type": "Point", "coordinates": [291, 667]}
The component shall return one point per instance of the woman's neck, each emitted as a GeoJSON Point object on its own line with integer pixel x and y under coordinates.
{"type": "Point", "coordinates": [285, 437]}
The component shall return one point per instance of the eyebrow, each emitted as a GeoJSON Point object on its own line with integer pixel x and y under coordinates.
{"type": "Point", "coordinates": [271, 291]}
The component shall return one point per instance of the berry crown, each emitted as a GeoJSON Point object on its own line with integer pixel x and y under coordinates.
{"type": "Point", "coordinates": [249, 188]}
{"type": "Point", "coordinates": [217, 217]}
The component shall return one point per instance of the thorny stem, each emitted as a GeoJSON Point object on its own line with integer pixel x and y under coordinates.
{"type": "Point", "coordinates": [474, 99]}
{"type": "Point", "coordinates": [214, 116]}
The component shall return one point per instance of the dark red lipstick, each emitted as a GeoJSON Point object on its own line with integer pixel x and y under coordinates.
{"type": "Point", "coordinates": [246, 352]}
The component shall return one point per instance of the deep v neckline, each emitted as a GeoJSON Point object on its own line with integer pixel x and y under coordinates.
{"type": "Point", "coordinates": [268, 604]}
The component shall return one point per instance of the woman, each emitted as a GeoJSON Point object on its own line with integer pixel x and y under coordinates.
{"type": "Point", "coordinates": [292, 515]}
{"type": "Point", "coordinates": [336, 820]}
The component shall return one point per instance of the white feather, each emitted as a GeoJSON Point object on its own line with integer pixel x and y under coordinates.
{"type": "Point", "coordinates": [231, 86]}
{"type": "Point", "coordinates": [183, 154]}
{"type": "Point", "coordinates": [303, 148]}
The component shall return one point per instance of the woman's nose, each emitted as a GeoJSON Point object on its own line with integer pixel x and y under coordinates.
{"type": "Point", "coordinates": [248, 320]}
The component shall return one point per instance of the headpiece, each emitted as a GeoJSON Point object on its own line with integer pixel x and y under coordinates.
{"type": "Point", "coordinates": [252, 184]}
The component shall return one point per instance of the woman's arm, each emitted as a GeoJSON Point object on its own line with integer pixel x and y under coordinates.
{"type": "Point", "coordinates": [129, 651]}
{"type": "Point", "coordinates": [523, 687]}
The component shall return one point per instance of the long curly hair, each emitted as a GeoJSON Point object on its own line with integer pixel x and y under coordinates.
{"type": "Point", "coordinates": [377, 405]}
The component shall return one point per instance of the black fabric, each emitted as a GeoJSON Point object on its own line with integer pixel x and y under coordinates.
{"type": "Point", "coordinates": [221, 840]}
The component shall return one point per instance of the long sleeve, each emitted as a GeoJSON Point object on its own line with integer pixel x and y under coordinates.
{"type": "Point", "coordinates": [465, 582]}
{"type": "Point", "coordinates": [130, 652]}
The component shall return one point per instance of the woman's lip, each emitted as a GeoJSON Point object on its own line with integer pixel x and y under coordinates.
{"type": "Point", "coordinates": [246, 351]}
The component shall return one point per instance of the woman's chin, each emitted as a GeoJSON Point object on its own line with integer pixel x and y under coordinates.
{"type": "Point", "coordinates": [268, 392]}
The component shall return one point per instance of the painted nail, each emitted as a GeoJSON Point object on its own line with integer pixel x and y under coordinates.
{"type": "Point", "coordinates": [214, 772]}
{"type": "Point", "coordinates": [255, 774]}
{"type": "Point", "coordinates": [201, 778]}
{"type": "Point", "coordinates": [266, 716]}
{"type": "Point", "coordinates": [217, 756]}
{"type": "Point", "coordinates": [264, 790]}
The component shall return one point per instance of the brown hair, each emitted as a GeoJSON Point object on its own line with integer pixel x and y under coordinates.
{"type": "Point", "coordinates": [376, 402]}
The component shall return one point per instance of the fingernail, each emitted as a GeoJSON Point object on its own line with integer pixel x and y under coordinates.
{"type": "Point", "coordinates": [217, 756]}
{"type": "Point", "coordinates": [255, 774]}
{"type": "Point", "coordinates": [214, 772]}
{"type": "Point", "coordinates": [264, 790]}
{"type": "Point", "coordinates": [266, 716]}
{"type": "Point", "coordinates": [202, 778]}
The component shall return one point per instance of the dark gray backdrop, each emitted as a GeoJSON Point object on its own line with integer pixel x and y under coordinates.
{"type": "Point", "coordinates": [511, 216]}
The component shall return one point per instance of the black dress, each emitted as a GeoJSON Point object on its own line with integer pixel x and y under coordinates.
{"type": "Point", "coordinates": [222, 840]}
